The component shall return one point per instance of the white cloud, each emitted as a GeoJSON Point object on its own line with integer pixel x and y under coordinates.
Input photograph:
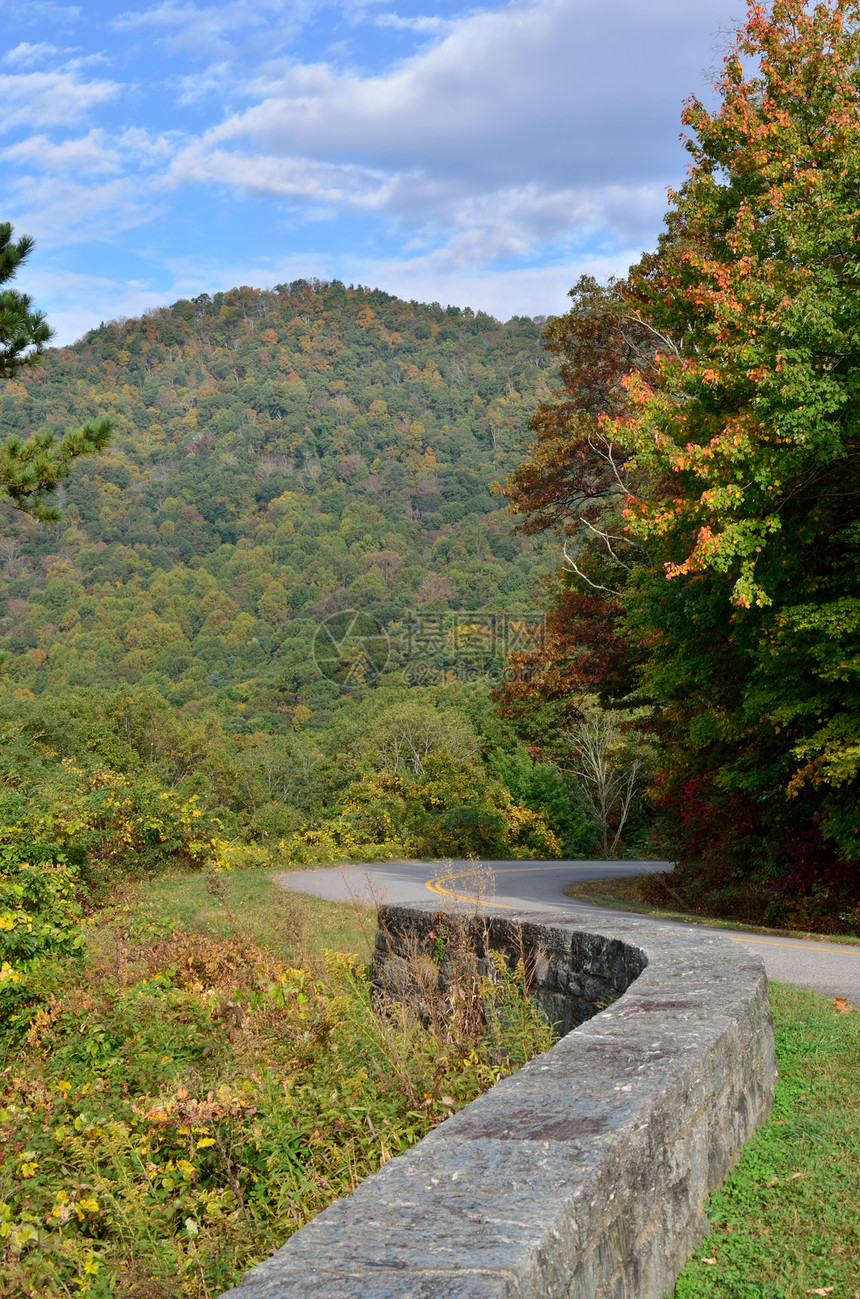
{"type": "Point", "coordinates": [40, 11]}
{"type": "Point", "coordinates": [39, 99]}
{"type": "Point", "coordinates": [205, 31]}
{"type": "Point", "coordinates": [93, 153]}
{"type": "Point", "coordinates": [59, 210]}
{"type": "Point", "coordinates": [25, 53]}
{"type": "Point", "coordinates": [432, 24]}
{"type": "Point", "coordinates": [485, 227]}
{"type": "Point", "coordinates": [559, 90]}
{"type": "Point", "coordinates": [86, 155]}
{"type": "Point", "coordinates": [544, 120]}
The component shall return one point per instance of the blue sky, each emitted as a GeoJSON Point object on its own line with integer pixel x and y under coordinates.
{"type": "Point", "coordinates": [477, 156]}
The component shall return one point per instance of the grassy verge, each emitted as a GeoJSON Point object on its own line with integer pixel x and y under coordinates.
{"type": "Point", "coordinates": [786, 1223]}
{"type": "Point", "coordinates": [251, 903]}
{"type": "Point", "coordinates": [206, 1075]}
{"type": "Point", "coordinates": [626, 893]}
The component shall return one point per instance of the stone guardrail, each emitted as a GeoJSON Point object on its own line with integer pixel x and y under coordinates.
{"type": "Point", "coordinates": [584, 1174]}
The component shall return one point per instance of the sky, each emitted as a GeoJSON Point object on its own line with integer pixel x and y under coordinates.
{"type": "Point", "coordinates": [481, 157]}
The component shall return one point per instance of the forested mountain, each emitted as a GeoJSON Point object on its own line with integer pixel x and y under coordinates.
{"type": "Point", "coordinates": [278, 458]}
{"type": "Point", "coordinates": [277, 455]}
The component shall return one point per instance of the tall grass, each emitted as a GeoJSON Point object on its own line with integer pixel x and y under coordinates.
{"type": "Point", "coordinates": [186, 1099]}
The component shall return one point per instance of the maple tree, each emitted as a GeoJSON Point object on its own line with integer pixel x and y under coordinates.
{"type": "Point", "coordinates": [708, 479]}
{"type": "Point", "coordinates": [753, 287]}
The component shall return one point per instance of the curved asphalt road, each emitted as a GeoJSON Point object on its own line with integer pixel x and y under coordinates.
{"type": "Point", "coordinates": [539, 886]}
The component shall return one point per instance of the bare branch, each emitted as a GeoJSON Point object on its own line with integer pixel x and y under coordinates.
{"type": "Point", "coordinates": [579, 573]}
{"type": "Point", "coordinates": [630, 790]}
{"type": "Point", "coordinates": [605, 453]}
{"type": "Point", "coordinates": [607, 538]}
{"type": "Point", "coordinates": [655, 332]}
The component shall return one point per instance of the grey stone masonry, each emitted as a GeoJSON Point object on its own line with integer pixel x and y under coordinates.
{"type": "Point", "coordinates": [584, 1174]}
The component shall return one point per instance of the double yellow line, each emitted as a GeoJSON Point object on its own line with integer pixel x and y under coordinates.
{"type": "Point", "coordinates": [437, 884]}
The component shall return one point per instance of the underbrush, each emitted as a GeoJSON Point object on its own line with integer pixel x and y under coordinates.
{"type": "Point", "coordinates": [176, 1103]}
{"type": "Point", "coordinates": [785, 1224]}
{"type": "Point", "coordinates": [822, 905]}
{"type": "Point", "coordinates": [636, 893]}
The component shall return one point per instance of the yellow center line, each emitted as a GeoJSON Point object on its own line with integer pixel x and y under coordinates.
{"type": "Point", "coordinates": [436, 885]}
{"type": "Point", "coordinates": [805, 944]}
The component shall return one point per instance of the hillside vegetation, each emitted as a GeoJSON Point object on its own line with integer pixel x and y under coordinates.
{"type": "Point", "coordinates": [277, 458]}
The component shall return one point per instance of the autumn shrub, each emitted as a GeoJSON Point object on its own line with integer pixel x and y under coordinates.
{"type": "Point", "coordinates": [39, 915]}
{"type": "Point", "coordinates": [109, 819]}
{"type": "Point", "coordinates": [449, 808]}
{"type": "Point", "coordinates": [733, 875]}
{"type": "Point", "coordinates": [174, 1114]}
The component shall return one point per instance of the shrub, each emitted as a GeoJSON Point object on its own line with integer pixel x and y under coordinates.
{"type": "Point", "coordinates": [172, 1116]}
{"type": "Point", "coordinates": [39, 921]}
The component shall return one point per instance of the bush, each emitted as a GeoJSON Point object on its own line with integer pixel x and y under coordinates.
{"type": "Point", "coordinates": [39, 921]}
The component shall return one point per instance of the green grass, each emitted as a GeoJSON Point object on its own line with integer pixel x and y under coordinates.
{"type": "Point", "coordinates": [787, 1222]}
{"type": "Point", "coordinates": [290, 925]}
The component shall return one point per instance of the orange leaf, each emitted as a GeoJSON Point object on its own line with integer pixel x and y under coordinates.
{"type": "Point", "coordinates": [841, 1005]}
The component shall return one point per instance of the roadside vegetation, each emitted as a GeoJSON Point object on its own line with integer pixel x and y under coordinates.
{"type": "Point", "coordinates": [658, 895]}
{"type": "Point", "coordinates": [196, 1069]}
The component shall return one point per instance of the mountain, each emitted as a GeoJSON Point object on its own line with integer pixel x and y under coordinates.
{"type": "Point", "coordinates": [278, 456]}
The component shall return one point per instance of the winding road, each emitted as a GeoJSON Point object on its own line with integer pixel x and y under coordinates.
{"type": "Point", "coordinates": [830, 968]}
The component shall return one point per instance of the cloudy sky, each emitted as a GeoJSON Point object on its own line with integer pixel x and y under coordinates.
{"type": "Point", "coordinates": [481, 156]}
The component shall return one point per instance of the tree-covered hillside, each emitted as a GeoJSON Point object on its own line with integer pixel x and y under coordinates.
{"type": "Point", "coordinates": [277, 456]}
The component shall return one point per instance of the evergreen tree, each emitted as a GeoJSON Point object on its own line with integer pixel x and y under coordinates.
{"type": "Point", "coordinates": [31, 468]}
{"type": "Point", "coordinates": [23, 332]}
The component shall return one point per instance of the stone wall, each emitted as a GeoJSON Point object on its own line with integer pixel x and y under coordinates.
{"type": "Point", "coordinates": [584, 1175]}
{"type": "Point", "coordinates": [573, 976]}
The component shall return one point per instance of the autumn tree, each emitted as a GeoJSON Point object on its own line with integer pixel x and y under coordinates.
{"type": "Point", "coordinates": [31, 468]}
{"type": "Point", "coordinates": [572, 484]}
{"type": "Point", "coordinates": [729, 472]}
